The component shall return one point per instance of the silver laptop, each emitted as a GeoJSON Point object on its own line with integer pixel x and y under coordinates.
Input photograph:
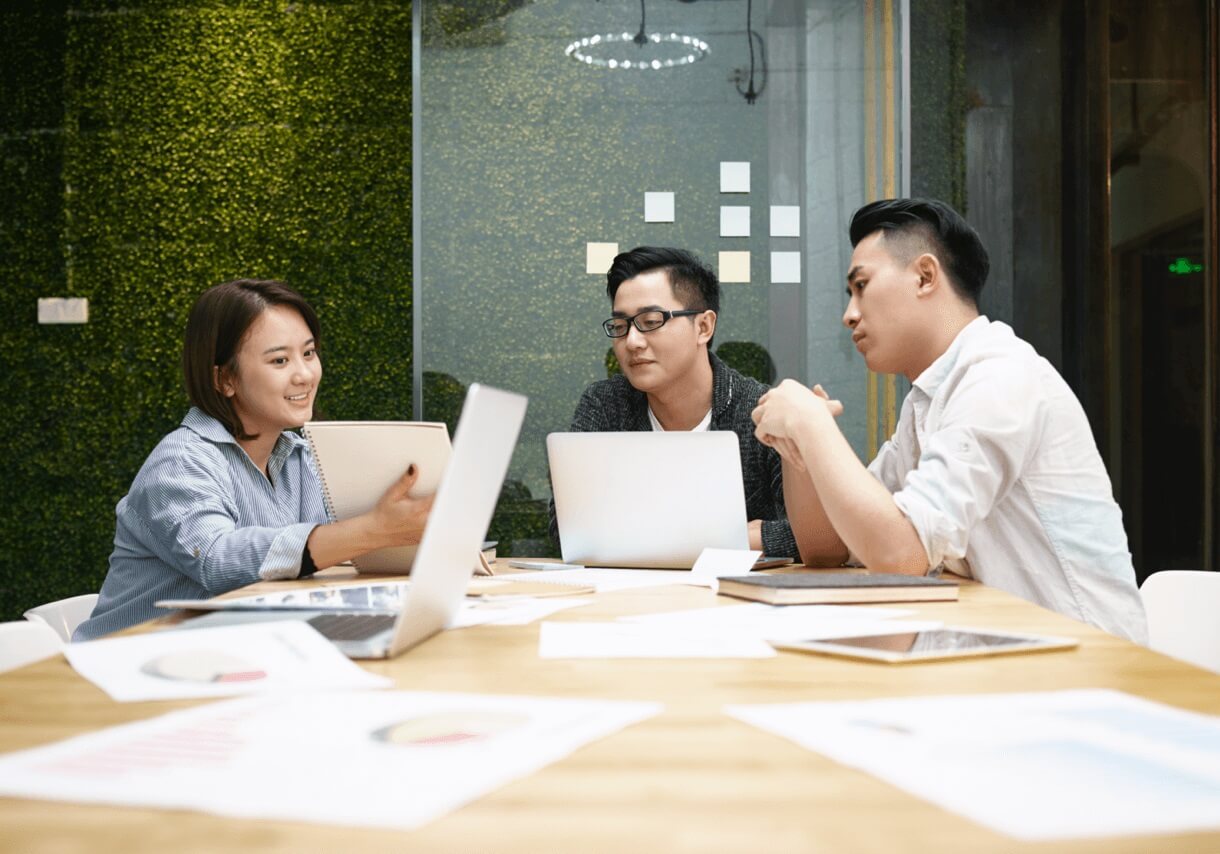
{"type": "Point", "coordinates": [647, 499]}
{"type": "Point", "coordinates": [482, 447]}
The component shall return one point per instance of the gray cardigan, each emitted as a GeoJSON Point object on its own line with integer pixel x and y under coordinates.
{"type": "Point", "coordinates": [613, 405]}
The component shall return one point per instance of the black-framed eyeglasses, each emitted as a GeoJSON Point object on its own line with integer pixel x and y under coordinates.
{"type": "Point", "coordinates": [646, 321]}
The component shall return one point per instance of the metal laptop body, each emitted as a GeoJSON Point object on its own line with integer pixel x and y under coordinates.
{"type": "Point", "coordinates": [647, 499]}
{"type": "Point", "coordinates": [482, 447]}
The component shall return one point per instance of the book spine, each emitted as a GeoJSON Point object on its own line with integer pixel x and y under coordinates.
{"type": "Point", "coordinates": [317, 466]}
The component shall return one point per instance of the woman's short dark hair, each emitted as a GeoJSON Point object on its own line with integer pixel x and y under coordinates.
{"type": "Point", "coordinates": [217, 325]}
{"type": "Point", "coordinates": [914, 226]}
{"type": "Point", "coordinates": [693, 282]}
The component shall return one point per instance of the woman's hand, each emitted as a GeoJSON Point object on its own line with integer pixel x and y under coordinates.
{"type": "Point", "coordinates": [399, 519]}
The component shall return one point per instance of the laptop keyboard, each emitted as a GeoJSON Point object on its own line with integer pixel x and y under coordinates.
{"type": "Point", "coordinates": [351, 627]}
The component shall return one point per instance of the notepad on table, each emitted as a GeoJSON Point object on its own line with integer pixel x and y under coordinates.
{"type": "Point", "coordinates": [359, 460]}
{"type": "Point", "coordinates": [814, 589]}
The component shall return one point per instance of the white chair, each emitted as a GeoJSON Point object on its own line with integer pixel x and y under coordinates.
{"type": "Point", "coordinates": [1183, 608]}
{"type": "Point", "coordinates": [23, 642]}
{"type": "Point", "coordinates": [65, 615]}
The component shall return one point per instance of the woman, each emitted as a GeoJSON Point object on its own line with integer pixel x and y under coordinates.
{"type": "Point", "coordinates": [231, 497]}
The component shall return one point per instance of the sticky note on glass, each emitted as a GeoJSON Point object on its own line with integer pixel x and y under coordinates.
{"type": "Point", "coordinates": [658, 207]}
{"type": "Point", "coordinates": [785, 267]}
{"type": "Point", "coordinates": [785, 221]}
{"type": "Point", "coordinates": [735, 176]}
{"type": "Point", "coordinates": [734, 221]}
{"type": "Point", "coordinates": [734, 266]}
{"type": "Point", "coordinates": [599, 257]}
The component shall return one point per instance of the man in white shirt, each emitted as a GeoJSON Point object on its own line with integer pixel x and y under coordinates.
{"type": "Point", "coordinates": [992, 472]}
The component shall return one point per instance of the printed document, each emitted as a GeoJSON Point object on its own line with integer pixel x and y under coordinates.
{"type": "Point", "coordinates": [389, 759]}
{"type": "Point", "coordinates": [1038, 766]}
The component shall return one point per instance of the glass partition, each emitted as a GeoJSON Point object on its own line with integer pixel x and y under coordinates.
{"type": "Point", "coordinates": [544, 128]}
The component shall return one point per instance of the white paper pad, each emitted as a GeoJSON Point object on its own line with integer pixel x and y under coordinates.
{"type": "Point", "coordinates": [607, 580]}
{"type": "Point", "coordinates": [632, 640]}
{"type": "Point", "coordinates": [375, 759]}
{"type": "Point", "coordinates": [1056, 765]}
{"type": "Point", "coordinates": [717, 563]}
{"type": "Point", "coordinates": [217, 662]}
{"type": "Point", "coordinates": [784, 622]}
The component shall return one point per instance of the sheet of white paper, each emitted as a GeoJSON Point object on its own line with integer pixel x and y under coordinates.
{"type": "Point", "coordinates": [599, 257]}
{"type": "Point", "coordinates": [785, 267]}
{"type": "Point", "coordinates": [734, 176]}
{"type": "Point", "coordinates": [254, 658]}
{"type": "Point", "coordinates": [608, 580]}
{"type": "Point", "coordinates": [1055, 765]}
{"type": "Point", "coordinates": [734, 221]}
{"type": "Point", "coordinates": [717, 563]}
{"type": "Point", "coordinates": [784, 622]}
{"type": "Point", "coordinates": [390, 759]}
{"type": "Point", "coordinates": [785, 221]}
{"type": "Point", "coordinates": [512, 611]}
{"type": "Point", "coordinates": [658, 207]}
{"type": "Point", "coordinates": [632, 640]}
{"type": "Point", "coordinates": [734, 267]}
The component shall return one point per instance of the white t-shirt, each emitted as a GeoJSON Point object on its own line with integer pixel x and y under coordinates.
{"type": "Point", "coordinates": [701, 427]}
{"type": "Point", "coordinates": [995, 466]}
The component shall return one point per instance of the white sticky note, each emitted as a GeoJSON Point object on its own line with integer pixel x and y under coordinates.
{"type": "Point", "coordinates": [599, 257]}
{"type": "Point", "coordinates": [785, 221]}
{"type": "Point", "coordinates": [785, 267]}
{"type": "Point", "coordinates": [734, 221]}
{"type": "Point", "coordinates": [734, 176]}
{"type": "Point", "coordinates": [716, 563]}
{"type": "Point", "coordinates": [734, 267]}
{"type": "Point", "coordinates": [63, 310]}
{"type": "Point", "coordinates": [658, 207]}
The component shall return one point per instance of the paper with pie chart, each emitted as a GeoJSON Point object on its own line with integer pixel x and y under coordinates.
{"type": "Point", "coordinates": [223, 661]}
{"type": "Point", "coordinates": [390, 759]}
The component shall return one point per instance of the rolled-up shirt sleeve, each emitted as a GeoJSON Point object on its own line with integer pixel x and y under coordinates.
{"type": "Point", "coordinates": [193, 524]}
{"type": "Point", "coordinates": [970, 460]}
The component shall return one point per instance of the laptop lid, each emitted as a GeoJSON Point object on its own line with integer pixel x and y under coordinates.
{"type": "Point", "coordinates": [482, 447]}
{"type": "Point", "coordinates": [647, 499]}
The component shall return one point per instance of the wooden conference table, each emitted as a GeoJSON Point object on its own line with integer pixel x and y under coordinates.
{"type": "Point", "coordinates": [689, 779]}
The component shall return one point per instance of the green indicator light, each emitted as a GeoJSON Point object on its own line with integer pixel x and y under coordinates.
{"type": "Point", "coordinates": [1184, 267]}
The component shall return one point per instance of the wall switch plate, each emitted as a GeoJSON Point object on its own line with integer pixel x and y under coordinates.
{"type": "Point", "coordinates": [63, 310]}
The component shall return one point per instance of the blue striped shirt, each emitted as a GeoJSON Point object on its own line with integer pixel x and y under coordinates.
{"type": "Point", "coordinates": [202, 519]}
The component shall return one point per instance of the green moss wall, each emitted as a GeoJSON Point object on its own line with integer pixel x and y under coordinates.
{"type": "Point", "coordinates": [149, 149]}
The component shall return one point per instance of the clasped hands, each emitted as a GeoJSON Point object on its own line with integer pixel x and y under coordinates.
{"type": "Point", "coordinates": [787, 410]}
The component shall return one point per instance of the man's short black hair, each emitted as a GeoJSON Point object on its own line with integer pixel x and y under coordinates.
{"type": "Point", "coordinates": [694, 283]}
{"type": "Point", "coordinates": [914, 226]}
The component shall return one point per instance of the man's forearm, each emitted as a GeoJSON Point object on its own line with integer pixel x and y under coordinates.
{"type": "Point", "coordinates": [816, 539]}
{"type": "Point", "coordinates": [860, 510]}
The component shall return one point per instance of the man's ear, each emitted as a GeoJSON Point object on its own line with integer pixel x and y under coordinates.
{"type": "Point", "coordinates": [931, 275]}
{"type": "Point", "coordinates": [705, 324]}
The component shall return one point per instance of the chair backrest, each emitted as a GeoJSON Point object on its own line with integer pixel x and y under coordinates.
{"type": "Point", "coordinates": [23, 642]}
{"type": "Point", "coordinates": [65, 615]}
{"type": "Point", "coordinates": [1183, 608]}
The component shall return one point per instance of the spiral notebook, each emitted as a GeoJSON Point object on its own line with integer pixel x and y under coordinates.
{"type": "Point", "coordinates": [359, 460]}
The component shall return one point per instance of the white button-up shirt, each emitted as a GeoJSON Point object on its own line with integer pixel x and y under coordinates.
{"type": "Point", "coordinates": [995, 466]}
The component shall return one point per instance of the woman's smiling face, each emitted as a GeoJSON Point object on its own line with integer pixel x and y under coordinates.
{"type": "Point", "coordinates": [277, 373]}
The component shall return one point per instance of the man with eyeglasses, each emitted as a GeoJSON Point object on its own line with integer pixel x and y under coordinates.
{"type": "Point", "coordinates": [664, 306]}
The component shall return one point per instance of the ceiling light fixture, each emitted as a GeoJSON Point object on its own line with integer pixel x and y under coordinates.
{"type": "Point", "coordinates": [654, 51]}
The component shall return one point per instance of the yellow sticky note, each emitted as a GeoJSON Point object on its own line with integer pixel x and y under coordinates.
{"type": "Point", "coordinates": [599, 257]}
{"type": "Point", "coordinates": [734, 266]}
